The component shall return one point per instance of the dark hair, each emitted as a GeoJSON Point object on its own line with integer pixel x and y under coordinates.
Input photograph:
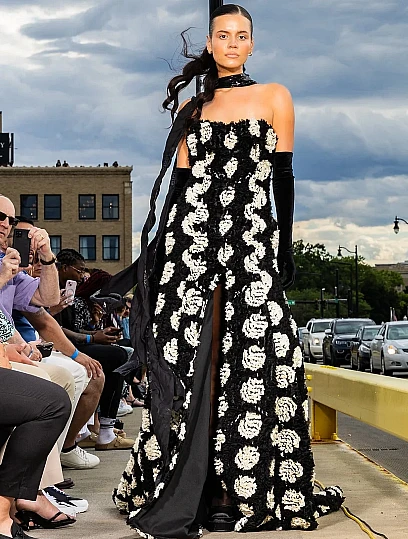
{"type": "Point", "coordinates": [67, 257]}
{"type": "Point", "coordinates": [94, 283]}
{"type": "Point", "coordinates": [23, 219]}
{"type": "Point", "coordinates": [203, 64]}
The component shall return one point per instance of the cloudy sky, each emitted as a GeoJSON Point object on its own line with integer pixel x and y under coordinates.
{"type": "Point", "coordinates": [85, 82]}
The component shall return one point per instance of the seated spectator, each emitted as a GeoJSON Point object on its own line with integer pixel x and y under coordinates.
{"type": "Point", "coordinates": [30, 409]}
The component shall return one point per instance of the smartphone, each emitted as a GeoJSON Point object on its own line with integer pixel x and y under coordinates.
{"type": "Point", "coordinates": [22, 243]}
{"type": "Point", "coordinates": [70, 288]}
{"type": "Point", "coordinates": [115, 331]}
{"type": "Point", "coordinates": [45, 348]}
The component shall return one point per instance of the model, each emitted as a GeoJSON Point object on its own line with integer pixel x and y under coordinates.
{"type": "Point", "coordinates": [224, 441]}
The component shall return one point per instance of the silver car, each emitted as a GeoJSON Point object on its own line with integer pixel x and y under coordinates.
{"type": "Point", "coordinates": [389, 349]}
{"type": "Point", "coordinates": [313, 338]}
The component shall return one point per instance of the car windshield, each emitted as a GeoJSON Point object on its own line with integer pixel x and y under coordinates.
{"type": "Point", "coordinates": [320, 327]}
{"type": "Point", "coordinates": [349, 327]}
{"type": "Point", "coordinates": [370, 333]}
{"type": "Point", "coordinates": [398, 332]}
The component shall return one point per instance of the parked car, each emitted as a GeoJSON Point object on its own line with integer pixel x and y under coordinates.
{"type": "Point", "coordinates": [360, 347]}
{"type": "Point", "coordinates": [389, 349]}
{"type": "Point", "coordinates": [313, 338]}
{"type": "Point", "coordinates": [337, 339]}
{"type": "Point", "coordinates": [300, 332]}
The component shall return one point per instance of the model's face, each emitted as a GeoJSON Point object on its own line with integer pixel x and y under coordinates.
{"type": "Point", "coordinates": [230, 43]}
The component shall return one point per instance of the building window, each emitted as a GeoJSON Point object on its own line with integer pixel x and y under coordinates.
{"type": "Point", "coordinates": [55, 242]}
{"type": "Point", "coordinates": [87, 205]}
{"type": "Point", "coordinates": [110, 247]}
{"type": "Point", "coordinates": [110, 206]}
{"type": "Point", "coordinates": [52, 207]}
{"type": "Point", "coordinates": [29, 206]}
{"type": "Point", "coordinates": [87, 247]}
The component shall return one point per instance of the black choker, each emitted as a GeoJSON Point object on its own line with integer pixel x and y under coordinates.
{"type": "Point", "coordinates": [235, 81]}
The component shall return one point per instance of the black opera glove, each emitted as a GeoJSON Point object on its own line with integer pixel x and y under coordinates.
{"type": "Point", "coordinates": [283, 184]}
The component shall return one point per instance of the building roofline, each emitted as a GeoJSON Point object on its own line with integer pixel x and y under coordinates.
{"type": "Point", "coordinates": [72, 171]}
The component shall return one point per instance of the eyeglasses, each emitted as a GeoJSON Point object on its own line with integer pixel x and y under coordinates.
{"type": "Point", "coordinates": [80, 271]}
{"type": "Point", "coordinates": [12, 220]}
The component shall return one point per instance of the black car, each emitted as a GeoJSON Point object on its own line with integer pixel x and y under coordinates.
{"type": "Point", "coordinates": [338, 338]}
{"type": "Point", "coordinates": [360, 347]}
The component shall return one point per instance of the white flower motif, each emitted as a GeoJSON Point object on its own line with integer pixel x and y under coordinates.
{"type": "Point", "coordinates": [167, 274]}
{"type": "Point", "coordinates": [192, 302]}
{"type": "Point", "coordinates": [297, 357]}
{"type": "Point", "coordinates": [200, 240]}
{"type": "Point", "coordinates": [155, 472]}
{"type": "Point", "coordinates": [272, 468]}
{"type": "Point", "coordinates": [293, 500]}
{"type": "Point", "coordinates": [305, 405]}
{"type": "Point", "coordinates": [192, 144]}
{"type": "Point", "coordinates": [181, 289]}
{"type": "Point", "coordinates": [231, 167]}
{"type": "Point", "coordinates": [205, 132]}
{"type": "Point", "coordinates": [255, 153]}
{"type": "Point", "coordinates": [227, 196]}
{"type": "Point", "coordinates": [225, 224]}
{"type": "Point", "coordinates": [260, 199]}
{"type": "Point", "coordinates": [218, 466]}
{"type": "Point", "coordinates": [245, 486]}
{"type": "Point", "coordinates": [157, 491]}
{"type": "Point", "coordinates": [246, 510]}
{"type": "Point", "coordinates": [192, 194]}
{"type": "Point", "coordinates": [169, 242]}
{"type": "Point", "coordinates": [255, 326]}
{"type": "Point", "coordinates": [240, 524]}
{"type": "Point", "coordinates": [222, 406]}
{"type": "Point", "coordinates": [250, 426]}
{"type": "Point", "coordinates": [226, 342]}
{"type": "Point", "coordinates": [182, 432]}
{"type": "Point", "coordinates": [225, 373]}
{"type": "Point", "coordinates": [263, 170]}
{"type": "Point", "coordinates": [275, 312]}
{"type": "Point", "coordinates": [175, 320]}
{"type": "Point", "coordinates": [254, 128]}
{"type": "Point", "coordinates": [293, 325]}
{"type": "Point", "coordinates": [275, 240]}
{"type": "Point", "coordinates": [201, 214]}
{"type": "Point", "coordinates": [256, 294]}
{"type": "Point", "coordinates": [229, 279]}
{"type": "Point", "coordinates": [282, 344]}
{"type": "Point", "coordinates": [159, 303]}
{"type": "Point", "coordinates": [285, 408]}
{"type": "Point", "coordinates": [152, 448]}
{"type": "Point", "coordinates": [271, 139]}
{"type": "Point", "coordinates": [285, 376]}
{"type": "Point", "coordinates": [230, 140]}
{"type": "Point", "coordinates": [219, 440]}
{"type": "Point", "coordinates": [298, 522]}
{"type": "Point", "coordinates": [145, 420]}
{"type": "Point", "coordinates": [290, 471]}
{"type": "Point", "coordinates": [278, 513]}
{"type": "Point", "coordinates": [251, 263]}
{"type": "Point", "coordinates": [192, 335]}
{"type": "Point", "coordinates": [187, 399]}
{"type": "Point", "coordinates": [172, 215]}
{"type": "Point", "coordinates": [252, 390]}
{"type": "Point", "coordinates": [228, 311]}
{"type": "Point", "coordinates": [170, 351]}
{"type": "Point", "coordinates": [270, 499]}
{"type": "Point", "coordinates": [188, 224]}
{"type": "Point", "coordinates": [198, 170]}
{"type": "Point", "coordinates": [254, 358]}
{"type": "Point", "coordinates": [287, 440]}
{"type": "Point", "coordinates": [224, 254]}
{"type": "Point", "coordinates": [247, 457]}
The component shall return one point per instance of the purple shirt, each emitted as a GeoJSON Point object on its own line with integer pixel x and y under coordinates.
{"type": "Point", "coordinates": [17, 293]}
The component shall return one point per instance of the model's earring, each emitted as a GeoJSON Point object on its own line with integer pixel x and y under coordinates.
{"type": "Point", "coordinates": [250, 54]}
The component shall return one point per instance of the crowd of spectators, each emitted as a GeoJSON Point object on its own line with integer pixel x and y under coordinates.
{"type": "Point", "coordinates": [59, 384]}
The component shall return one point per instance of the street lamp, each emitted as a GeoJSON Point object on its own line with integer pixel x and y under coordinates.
{"type": "Point", "coordinates": [355, 253]}
{"type": "Point", "coordinates": [396, 226]}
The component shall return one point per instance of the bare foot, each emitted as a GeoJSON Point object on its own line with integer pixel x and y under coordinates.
{"type": "Point", "coordinates": [5, 527]}
{"type": "Point", "coordinates": [42, 506]}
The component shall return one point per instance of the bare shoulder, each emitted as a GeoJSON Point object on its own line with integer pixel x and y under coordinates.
{"type": "Point", "coordinates": [279, 95]}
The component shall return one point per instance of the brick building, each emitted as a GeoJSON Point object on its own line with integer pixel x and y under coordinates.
{"type": "Point", "coordinates": [84, 208]}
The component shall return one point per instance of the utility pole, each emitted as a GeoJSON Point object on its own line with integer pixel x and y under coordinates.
{"type": "Point", "coordinates": [336, 294]}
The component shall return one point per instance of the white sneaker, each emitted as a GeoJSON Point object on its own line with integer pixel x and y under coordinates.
{"type": "Point", "coordinates": [79, 459]}
{"type": "Point", "coordinates": [64, 502]}
{"type": "Point", "coordinates": [124, 409]}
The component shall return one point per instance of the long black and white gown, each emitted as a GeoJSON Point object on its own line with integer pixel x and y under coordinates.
{"type": "Point", "coordinates": [221, 231]}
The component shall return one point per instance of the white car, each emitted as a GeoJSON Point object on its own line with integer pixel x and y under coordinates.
{"type": "Point", "coordinates": [313, 337]}
{"type": "Point", "coordinates": [389, 349]}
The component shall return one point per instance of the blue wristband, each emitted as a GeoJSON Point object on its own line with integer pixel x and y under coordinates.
{"type": "Point", "coordinates": [88, 339]}
{"type": "Point", "coordinates": [75, 354]}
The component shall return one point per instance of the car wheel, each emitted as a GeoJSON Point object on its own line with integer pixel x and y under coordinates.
{"type": "Point", "coordinates": [359, 363]}
{"type": "Point", "coordinates": [383, 370]}
{"type": "Point", "coordinates": [312, 359]}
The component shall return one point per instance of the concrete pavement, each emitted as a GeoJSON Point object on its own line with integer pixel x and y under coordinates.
{"type": "Point", "coordinates": [371, 493]}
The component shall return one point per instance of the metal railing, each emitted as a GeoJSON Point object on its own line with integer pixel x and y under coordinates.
{"type": "Point", "coordinates": [376, 400]}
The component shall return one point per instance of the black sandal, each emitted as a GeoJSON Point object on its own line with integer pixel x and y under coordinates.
{"type": "Point", "coordinates": [33, 521]}
{"type": "Point", "coordinates": [221, 518]}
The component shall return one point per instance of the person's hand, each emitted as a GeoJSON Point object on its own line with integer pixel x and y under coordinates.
{"type": "Point", "coordinates": [63, 304]}
{"type": "Point", "coordinates": [15, 352]}
{"type": "Point", "coordinates": [10, 265]}
{"type": "Point", "coordinates": [287, 268]}
{"type": "Point", "coordinates": [34, 354]}
{"type": "Point", "coordinates": [40, 242]}
{"type": "Point", "coordinates": [93, 367]}
{"type": "Point", "coordinates": [102, 336]}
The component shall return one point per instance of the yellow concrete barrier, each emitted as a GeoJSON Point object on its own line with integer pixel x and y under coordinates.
{"type": "Point", "coordinates": [379, 401]}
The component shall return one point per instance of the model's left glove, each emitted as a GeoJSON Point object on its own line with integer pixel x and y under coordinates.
{"type": "Point", "coordinates": [283, 183]}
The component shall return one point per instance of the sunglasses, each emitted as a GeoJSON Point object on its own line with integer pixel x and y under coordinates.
{"type": "Point", "coordinates": [12, 220]}
{"type": "Point", "coordinates": [81, 271]}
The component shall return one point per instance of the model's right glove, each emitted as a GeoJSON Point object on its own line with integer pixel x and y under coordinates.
{"type": "Point", "coordinates": [283, 183]}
